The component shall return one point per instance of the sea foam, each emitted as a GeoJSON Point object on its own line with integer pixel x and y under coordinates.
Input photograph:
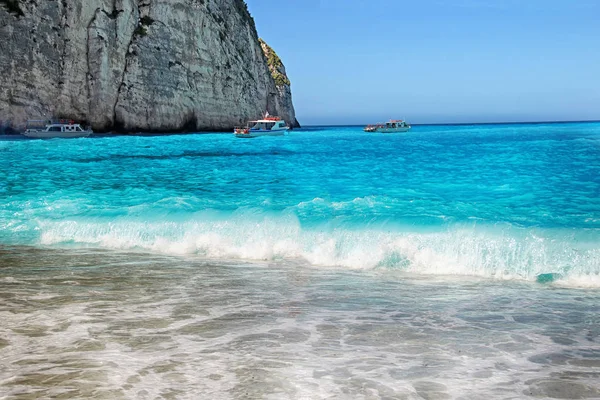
{"type": "Point", "coordinates": [503, 252]}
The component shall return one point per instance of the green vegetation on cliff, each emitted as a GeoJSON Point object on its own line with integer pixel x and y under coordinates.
{"type": "Point", "coordinates": [275, 64]}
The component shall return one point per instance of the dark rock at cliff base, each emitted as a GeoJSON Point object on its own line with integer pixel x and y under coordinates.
{"type": "Point", "coordinates": [133, 65]}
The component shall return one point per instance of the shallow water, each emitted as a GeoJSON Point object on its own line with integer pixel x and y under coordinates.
{"type": "Point", "coordinates": [451, 262]}
{"type": "Point", "coordinates": [97, 324]}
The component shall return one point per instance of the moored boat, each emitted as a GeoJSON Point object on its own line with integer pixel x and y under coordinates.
{"type": "Point", "coordinates": [268, 126]}
{"type": "Point", "coordinates": [394, 125]}
{"type": "Point", "coordinates": [42, 129]}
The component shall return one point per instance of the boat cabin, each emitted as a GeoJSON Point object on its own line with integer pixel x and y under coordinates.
{"type": "Point", "coordinates": [64, 128]}
{"type": "Point", "coordinates": [268, 124]}
{"type": "Point", "coordinates": [396, 123]}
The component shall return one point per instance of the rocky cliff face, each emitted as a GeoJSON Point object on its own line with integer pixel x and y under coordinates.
{"type": "Point", "coordinates": [136, 65]}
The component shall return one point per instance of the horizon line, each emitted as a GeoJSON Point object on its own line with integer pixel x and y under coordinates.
{"type": "Point", "coordinates": [475, 123]}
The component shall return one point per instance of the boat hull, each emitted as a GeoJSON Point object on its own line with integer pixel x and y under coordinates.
{"type": "Point", "coordinates": [52, 135]}
{"type": "Point", "coordinates": [392, 130]}
{"type": "Point", "coordinates": [258, 133]}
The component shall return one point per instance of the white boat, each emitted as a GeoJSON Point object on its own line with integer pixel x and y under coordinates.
{"type": "Point", "coordinates": [268, 126]}
{"type": "Point", "coordinates": [55, 129]}
{"type": "Point", "coordinates": [394, 125]}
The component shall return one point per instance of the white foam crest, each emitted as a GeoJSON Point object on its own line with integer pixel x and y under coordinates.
{"type": "Point", "coordinates": [458, 250]}
{"type": "Point", "coordinates": [580, 281]}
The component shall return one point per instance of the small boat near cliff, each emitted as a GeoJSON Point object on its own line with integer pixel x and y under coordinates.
{"type": "Point", "coordinates": [42, 129]}
{"type": "Point", "coordinates": [394, 125]}
{"type": "Point", "coordinates": [268, 126]}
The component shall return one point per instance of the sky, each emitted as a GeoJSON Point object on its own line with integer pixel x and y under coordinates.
{"type": "Point", "coordinates": [436, 61]}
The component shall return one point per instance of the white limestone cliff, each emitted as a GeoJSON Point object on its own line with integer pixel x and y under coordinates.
{"type": "Point", "coordinates": [136, 65]}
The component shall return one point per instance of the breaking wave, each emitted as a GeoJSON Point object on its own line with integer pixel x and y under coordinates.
{"type": "Point", "coordinates": [499, 251]}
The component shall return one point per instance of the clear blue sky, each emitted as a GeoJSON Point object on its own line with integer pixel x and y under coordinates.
{"type": "Point", "coordinates": [364, 61]}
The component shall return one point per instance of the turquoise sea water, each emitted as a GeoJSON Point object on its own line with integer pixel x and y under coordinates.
{"type": "Point", "coordinates": [497, 201]}
{"type": "Point", "coordinates": [447, 262]}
